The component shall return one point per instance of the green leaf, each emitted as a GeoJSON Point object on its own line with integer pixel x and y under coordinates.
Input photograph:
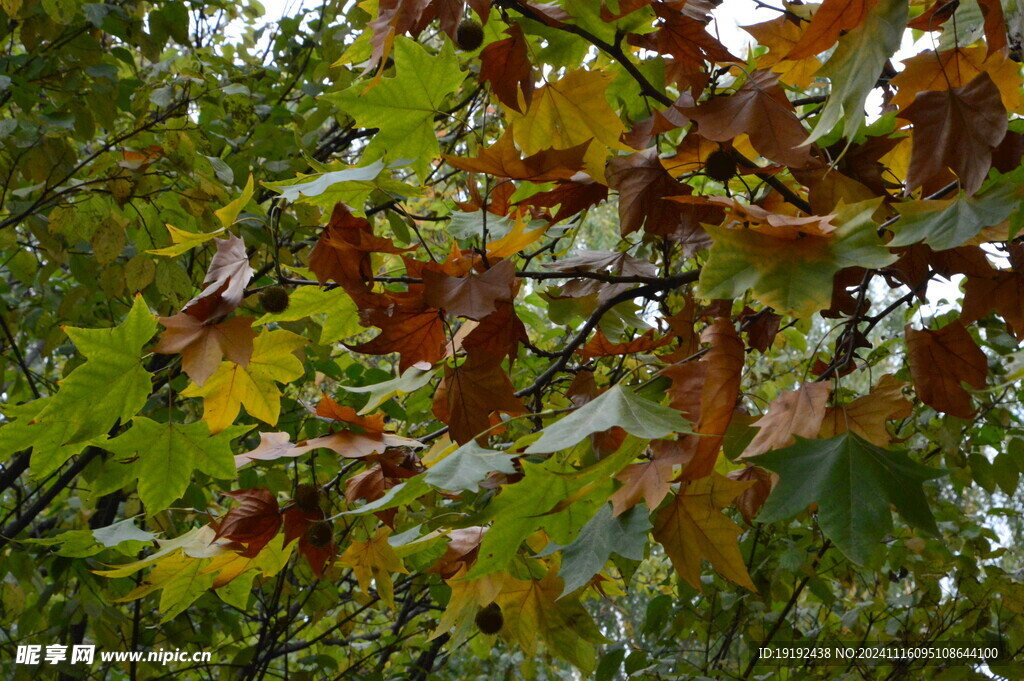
{"type": "Point", "coordinates": [350, 185]}
{"type": "Point", "coordinates": [598, 540]}
{"type": "Point", "coordinates": [112, 385]}
{"type": "Point", "coordinates": [559, 501]}
{"type": "Point", "coordinates": [464, 468]}
{"type": "Point", "coordinates": [334, 308]}
{"type": "Point", "coordinates": [794, 276]}
{"type": "Point", "coordinates": [617, 406]}
{"type": "Point", "coordinates": [167, 453]}
{"type": "Point", "coordinates": [403, 107]}
{"type": "Point", "coordinates": [122, 531]}
{"type": "Point", "coordinates": [410, 381]}
{"type": "Point", "coordinates": [183, 589]}
{"type": "Point", "coordinates": [853, 482]}
{"type": "Point", "coordinates": [854, 67]}
{"type": "Point", "coordinates": [953, 224]}
{"type": "Point", "coordinates": [400, 494]}
{"type": "Point", "coordinates": [229, 213]}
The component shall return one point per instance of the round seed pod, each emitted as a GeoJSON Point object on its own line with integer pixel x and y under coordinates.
{"type": "Point", "coordinates": [320, 534]}
{"type": "Point", "coordinates": [489, 619]}
{"type": "Point", "coordinates": [307, 498]}
{"type": "Point", "coordinates": [469, 36]}
{"type": "Point", "coordinates": [274, 299]}
{"type": "Point", "coordinates": [720, 166]}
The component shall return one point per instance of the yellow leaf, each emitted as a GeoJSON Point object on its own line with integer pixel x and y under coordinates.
{"type": "Point", "coordinates": [568, 112]}
{"type": "Point", "coordinates": [254, 386]}
{"type": "Point", "coordinates": [229, 213]}
{"type": "Point", "coordinates": [468, 596]}
{"type": "Point", "coordinates": [376, 560]}
{"type": "Point", "coordinates": [515, 241]}
{"type": "Point", "coordinates": [692, 528]}
{"type": "Point", "coordinates": [184, 241]}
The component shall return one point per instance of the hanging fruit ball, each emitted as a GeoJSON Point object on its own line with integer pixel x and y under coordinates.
{"type": "Point", "coordinates": [489, 619]}
{"type": "Point", "coordinates": [469, 36]}
{"type": "Point", "coordinates": [320, 534]}
{"type": "Point", "coordinates": [720, 166]}
{"type": "Point", "coordinates": [307, 498]}
{"type": "Point", "coordinates": [274, 299]}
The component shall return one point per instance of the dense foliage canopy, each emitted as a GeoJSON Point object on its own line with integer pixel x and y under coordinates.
{"type": "Point", "coordinates": [476, 339]}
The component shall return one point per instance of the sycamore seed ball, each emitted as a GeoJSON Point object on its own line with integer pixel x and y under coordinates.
{"type": "Point", "coordinates": [489, 619]}
{"type": "Point", "coordinates": [469, 36]}
{"type": "Point", "coordinates": [274, 299]}
{"type": "Point", "coordinates": [720, 166]}
{"type": "Point", "coordinates": [307, 498]}
{"type": "Point", "coordinates": [320, 534]}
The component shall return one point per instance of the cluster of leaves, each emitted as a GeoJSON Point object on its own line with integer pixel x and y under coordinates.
{"type": "Point", "coordinates": [439, 339]}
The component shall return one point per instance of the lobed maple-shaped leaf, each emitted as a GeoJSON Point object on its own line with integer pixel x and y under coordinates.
{"type": "Point", "coordinates": [683, 37]}
{"type": "Point", "coordinates": [571, 111]}
{"type": "Point", "coordinates": [760, 109]}
{"type": "Point", "coordinates": [162, 456]}
{"type": "Point", "coordinates": [832, 19]}
{"type": "Point", "coordinates": [950, 223]}
{"type": "Point", "coordinates": [498, 334]}
{"type": "Point", "coordinates": [203, 345]}
{"type": "Point", "coordinates": [792, 276]}
{"type": "Point", "coordinates": [374, 560]}
{"type": "Point", "coordinates": [570, 198]}
{"type": "Point", "coordinates": [797, 412]}
{"type": "Point", "coordinates": [692, 528]}
{"type": "Point", "coordinates": [534, 612]}
{"type": "Point", "coordinates": [110, 385]}
{"type": "Point", "coordinates": [643, 184]}
{"type": "Point", "coordinates": [603, 535]}
{"type": "Point", "coordinates": [648, 481]}
{"type": "Point", "coordinates": [955, 68]}
{"type": "Point", "coordinates": [617, 406]}
{"type": "Point", "coordinates": [866, 416]}
{"type": "Point", "coordinates": [505, 64]}
{"type": "Point", "coordinates": [273, 361]}
{"type": "Point", "coordinates": [853, 482]}
{"type": "Point", "coordinates": [502, 159]}
{"type": "Point", "coordinates": [253, 522]}
{"type": "Point", "coordinates": [342, 253]}
{"type": "Point", "coordinates": [957, 129]}
{"type": "Point", "coordinates": [781, 35]}
{"type": "Point", "coordinates": [719, 394]}
{"type": "Point", "coordinates": [940, 361]}
{"type": "Point", "coordinates": [417, 333]}
{"type": "Point", "coordinates": [225, 281]}
{"type": "Point", "coordinates": [470, 393]}
{"type": "Point", "coordinates": [856, 65]}
{"type": "Point", "coordinates": [403, 107]}
{"type": "Point", "coordinates": [1003, 292]}
{"type": "Point", "coordinates": [363, 435]}
{"type": "Point", "coordinates": [475, 296]}
{"type": "Point", "coordinates": [600, 346]}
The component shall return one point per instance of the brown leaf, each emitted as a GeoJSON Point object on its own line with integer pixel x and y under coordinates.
{"type": "Point", "coordinates": [504, 160]}
{"type": "Point", "coordinates": [762, 330]}
{"type": "Point", "coordinates": [600, 346]}
{"type": "Point", "coordinates": [866, 416]}
{"type": "Point", "coordinates": [649, 482]}
{"type": "Point", "coordinates": [498, 335]}
{"type": "Point", "coordinates": [643, 132]}
{"type": "Point", "coordinates": [253, 522]}
{"type": "Point", "coordinates": [683, 37]}
{"type": "Point", "coordinates": [1001, 291]}
{"type": "Point", "coordinates": [342, 254]}
{"type": "Point", "coordinates": [224, 285]}
{"type": "Point", "coordinates": [203, 345]}
{"type": "Point", "coordinates": [956, 129]}
{"type": "Point", "coordinates": [643, 184]}
{"type": "Point", "coordinates": [463, 546]}
{"type": "Point", "coordinates": [475, 296]}
{"type": "Point", "coordinates": [833, 18]}
{"type": "Point", "coordinates": [505, 64]}
{"type": "Point", "coordinates": [940, 361]}
{"type": "Point", "coordinates": [470, 393]}
{"type": "Point", "coordinates": [719, 395]}
{"type": "Point", "coordinates": [752, 499]}
{"type": "Point", "coordinates": [761, 110]}
{"type": "Point", "coordinates": [604, 262]}
{"type": "Point", "coordinates": [296, 526]}
{"type": "Point", "coordinates": [417, 334]}
{"type": "Point", "coordinates": [794, 412]}
{"type": "Point", "coordinates": [570, 197]}
{"type": "Point", "coordinates": [687, 387]}
{"type": "Point", "coordinates": [995, 25]}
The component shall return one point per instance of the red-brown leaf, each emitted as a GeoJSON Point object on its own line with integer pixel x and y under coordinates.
{"type": "Point", "coordinates": [940, 361]}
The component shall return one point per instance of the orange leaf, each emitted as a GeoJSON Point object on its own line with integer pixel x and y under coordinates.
{"type": "Point", "coordinates": [503, 159]}
{"type": "Point", "coordinates": [866, 416]}
{"type": "Point", "coordinates": [600, 346]}
{"type": "Point", "coordinates": [833, 18]}
{"type": "Point", "coordinates": [719, 395]}
{"type": "Point", "coordinates": [416, 334]}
